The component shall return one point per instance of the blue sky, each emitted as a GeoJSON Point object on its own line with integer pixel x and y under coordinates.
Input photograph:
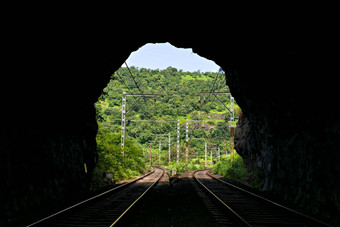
{"type": "Point", "coordinates": [163, 55]}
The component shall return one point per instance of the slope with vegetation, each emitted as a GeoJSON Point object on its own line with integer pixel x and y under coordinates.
{"type": "Point", "coordinates": [177, 101]}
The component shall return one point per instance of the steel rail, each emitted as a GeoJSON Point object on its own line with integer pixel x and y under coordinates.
{"type": "Point", "coordinates": [244, 222]}
{"type": "Point", "coordinates": [87, 200]}
{"type": "Point", "coordinates": [310, 219]}
{"type": "Point", "coordinates": [151, 186]}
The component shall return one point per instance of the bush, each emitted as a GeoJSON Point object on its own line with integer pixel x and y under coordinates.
{"type": "Point", "coordinates": [182, 167]}
{"type": "Point", "coordinates": [238, 172]}
{"type": "Point", "coordinates": [110, 159]}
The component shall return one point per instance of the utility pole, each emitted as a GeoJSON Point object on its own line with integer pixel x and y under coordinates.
{"type": "Point", "coordinates": [178, 132]}
{"type": "Point", "coordinates": [187, 134]}
{"type": "Point", "coordinates": [232, 128]}
{"type": "Point", "coordinates": [159, 153]}
{"type": "Point", "coordinates": [159, 157]}
{"type": "Point", "coordinates": [169, 150]}
{"type": "Point", "coordinates": [224, 148]}
{"type": "Point", "coordinates": [212, 148]}
{"type": "Point", "coordinates": [150, 157]}
{"type": "Point", "coordinates": [205, 154]}
{"type": "Point", "coordinates": [231, 121]}
{"type": "Point", "coordinates": [151, 141]}
{"type": "Point", "coordinates": [150, 153]}
{"type": "Point", "coordinates": [178, 141]}
{"type": "Point", "coordinates": [124, 112]}
{"type": "Point", "coordinates": [187, 141]}
{"type": "Point", "coordinates": [123, 123]}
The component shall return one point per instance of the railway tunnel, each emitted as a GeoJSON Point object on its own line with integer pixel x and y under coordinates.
{"type": "Point", "coordinates": [285, 86]}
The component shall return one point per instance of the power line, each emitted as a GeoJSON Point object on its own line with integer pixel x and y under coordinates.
{"type": "Point", "coordinates": [222, 84]}
{"type": "Point", "coordinates": [212, 89]}
{"type": "Point", "coordinates": [133, 78]}
{"type": "Point", "coordinates": [125, 84]}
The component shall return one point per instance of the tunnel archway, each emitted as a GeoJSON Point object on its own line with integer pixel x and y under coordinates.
{"type": "Point", "coordinates": [281, 130]}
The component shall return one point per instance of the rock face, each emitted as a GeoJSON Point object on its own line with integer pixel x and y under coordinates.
{"type": "Point", "coordinates": [286, 89]}
{"type": "Point", "coordinates": [246, 144]}
{"type": "Point", "coordinates": [287, 132]}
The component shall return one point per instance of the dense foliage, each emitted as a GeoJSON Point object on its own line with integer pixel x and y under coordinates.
{"type": "Point", "coordinates": [177, 101]}
{"type": "Point", "coordinates": [236, 170]}
{"type": "Point", "coordinates": [110, 158]}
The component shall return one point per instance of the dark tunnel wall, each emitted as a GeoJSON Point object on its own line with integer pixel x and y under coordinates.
{"type": "Point", "coordinates": [286, 88]}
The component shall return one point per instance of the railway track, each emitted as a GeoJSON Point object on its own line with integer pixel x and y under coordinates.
{"type": "Point", "coordinates": [247, 209]}
{"type": "Point", "coordinates": [221, 216]}
{"type": "Point", "coordinates": [105, 209]}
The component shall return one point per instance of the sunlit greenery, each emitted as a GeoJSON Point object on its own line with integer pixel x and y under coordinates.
{"type": "Point", "coordinates": [236, 170]}
{"type": "Point", "coordinates": [177, 101]}
{"type": "Point", "coordinates": [111, 160]}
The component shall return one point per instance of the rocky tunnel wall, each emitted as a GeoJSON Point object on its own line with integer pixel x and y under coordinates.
{"type": "Point", "coordinates": [287, 92]}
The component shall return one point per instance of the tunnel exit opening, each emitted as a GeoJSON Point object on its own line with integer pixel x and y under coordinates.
{"type": "Point", "coordinates": [165, 106]}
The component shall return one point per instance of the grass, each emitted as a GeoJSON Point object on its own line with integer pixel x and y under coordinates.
{"type": "Point", "coordinates": [190, 77]}
{"type": "Point", "coordinates": [237, 171]}
{"type": "Point", "coordinates": [182, 167]}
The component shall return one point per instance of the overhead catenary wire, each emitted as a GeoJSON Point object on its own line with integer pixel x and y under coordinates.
{"type": "Point", "coordinates": [216, 84]}
{"type": "Point", "coordinates": [116, 72]}
{"type": "Point", "coordinates": [212, 89]}
{"type": "Point", "coordinates": [125, 85]}
{"type": "Point", "coordinates": [142, 96]}
{"type": "Point", "coordinates": [133, 78]}
{"type": "Point", "coordinates": [219, 85]}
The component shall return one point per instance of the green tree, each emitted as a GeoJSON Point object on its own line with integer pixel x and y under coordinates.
{"type": "Point", "coordinates": [178, 101]}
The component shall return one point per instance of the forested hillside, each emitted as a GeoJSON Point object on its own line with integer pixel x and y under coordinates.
{"type": "Point", "coordinates": [177, 100]}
